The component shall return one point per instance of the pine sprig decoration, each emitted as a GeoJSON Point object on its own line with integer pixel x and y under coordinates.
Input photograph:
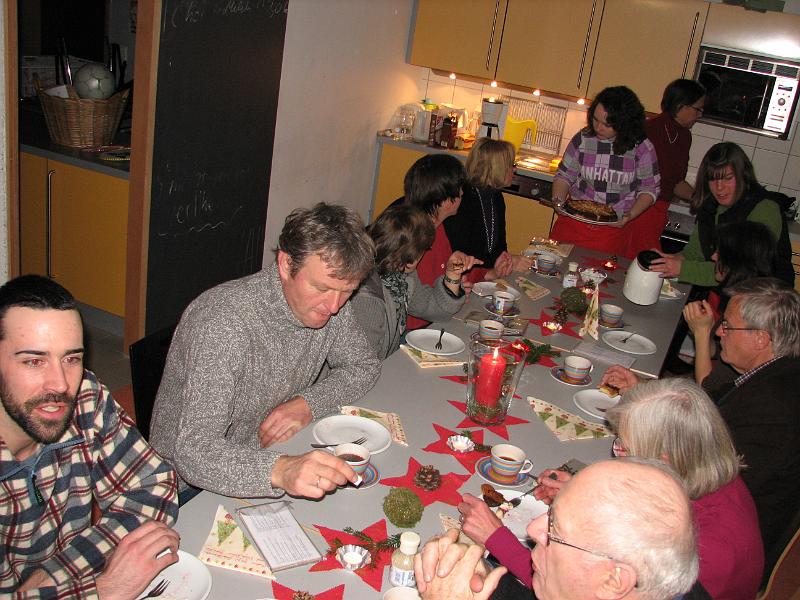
{"type": "Point", "coordinates": [483, 448]}
{"type": "Point", "coordinates": [537, 351]}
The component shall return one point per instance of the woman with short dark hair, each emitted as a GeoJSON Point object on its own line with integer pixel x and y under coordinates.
{"type": "Point", "coordinates": [402, 234]}
{"type": "Point", "coordinates": [609, 162]}
{"type": "Point", "coordinates": [670, 133]}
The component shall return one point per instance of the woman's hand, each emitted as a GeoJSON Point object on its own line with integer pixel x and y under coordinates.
{"type": "Point", "coordinates": [621, 378]}
{"type": "Point", "coordinates": [700, 317]}
{"type": "Point", "coordinates": [669, 265]}
{"type": "Point", "coordinates": [550, 483]}
{"type": "Point", "coordinates": [478, 521]}
{"type": "Point", "coordinates": [626, 218]}
{"type": "Point", "coordinates": [459, 263]}
{"type": "Point", "coordinates": [521, 263]}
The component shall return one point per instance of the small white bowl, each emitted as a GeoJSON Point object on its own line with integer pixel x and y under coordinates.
{"type": "Point", "coordinates": [353, 557]}
{"type": "Point", "coordinates": [460, 443]}
{"type": "Point", "coordinates": [596, 275]}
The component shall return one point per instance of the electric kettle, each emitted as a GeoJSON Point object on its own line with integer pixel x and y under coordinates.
{"type": "Point", "coordinates": [642, 286]}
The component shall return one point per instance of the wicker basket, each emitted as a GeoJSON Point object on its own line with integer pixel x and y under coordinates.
{"type": "Point", "coordinates": [81, 123]}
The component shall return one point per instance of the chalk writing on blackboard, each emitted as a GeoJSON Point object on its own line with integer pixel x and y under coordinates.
{"type": "Point", "coordinates": [188, 12]}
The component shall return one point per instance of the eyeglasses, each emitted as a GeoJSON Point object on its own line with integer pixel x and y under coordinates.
{"type": "Point", "coordinates": [699, 109]}
{"type": "Point", "coordinates": [618, 449]}
{"type": "Point", "coordinates": [726, 328]}
{"type": "Point", "coordinates": [551, 537]}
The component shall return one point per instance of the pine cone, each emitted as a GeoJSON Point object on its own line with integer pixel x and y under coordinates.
{"type": "Point", "coordinates": [302, 596]}
{"type": "Point", "coordinates": [562, 315]}
{"type": "Point", "coordinates": [428, 478]}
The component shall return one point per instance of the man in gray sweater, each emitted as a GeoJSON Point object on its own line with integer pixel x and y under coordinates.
{"type": "Point", "coordinates": [242, 371]}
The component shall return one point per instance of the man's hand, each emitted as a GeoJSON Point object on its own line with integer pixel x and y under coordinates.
{"type": "Point", "coordinates": [284, 421]}
{"type": "Point", "coordinates": [549, 487]}
{"type": "Point", "coordinates": [700, 317]}
{"type": "Point", "coordinates": [312, 474]}
{"type": "Point", "coordinates": [477, 520]}
{"type": "Point", "coordinates": [669, 265]}
{"type": "Point", "coordinates": [621, 378]}
{"type": "Point", "coordinates": [468, 579]}
{"type": "Point", "coordinates": [133, 565]}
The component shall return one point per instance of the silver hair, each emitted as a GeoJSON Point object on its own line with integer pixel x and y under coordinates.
{"type": "Point", "coordinates": [771, 305]}
{"type": "Point", "coordinates": [646, 523]}
{"type": "Point", "coordinates": [675, 418]}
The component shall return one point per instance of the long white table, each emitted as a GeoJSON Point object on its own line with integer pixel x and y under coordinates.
{"type": "Point", "coordinates": [420, 397]}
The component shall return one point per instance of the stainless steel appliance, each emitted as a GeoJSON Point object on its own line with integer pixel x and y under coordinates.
{"type": "Point", "coordinates": [748, 92]}
{"type": "Point", "coordinates": [678, 228]}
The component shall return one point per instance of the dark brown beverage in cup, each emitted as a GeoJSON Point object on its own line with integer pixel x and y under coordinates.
{"type": "Point", "coordinates": [351, 457]}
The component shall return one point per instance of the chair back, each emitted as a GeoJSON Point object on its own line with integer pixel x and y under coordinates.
{"type": "Point", "coordinates": [148, 357]}
{"type": "Point", "coordinates": [784, 577]}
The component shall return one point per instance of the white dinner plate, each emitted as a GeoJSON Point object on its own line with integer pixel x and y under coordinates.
{"type": "Point", "coordinates": [340, 429]}
{"type": "Point", "coordinates": [488, 288]}
{"type": "Point", "coordinates": [519, 517]}
{"type": "Point", "coordinates": [594, 402]}
{"type": "Point", "coordinates": [188, 579]}
{"type": "Point", "coordinates": [636, 344]}
{"type": "Point", "coordinates": [425, 341]}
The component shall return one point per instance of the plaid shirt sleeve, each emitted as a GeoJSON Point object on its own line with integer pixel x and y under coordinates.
{"type": "Point", "coordinates": [130, 484]}
{"type": "Point", "coordinates": [647, 169]}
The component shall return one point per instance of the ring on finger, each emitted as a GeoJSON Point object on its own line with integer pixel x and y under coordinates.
{"type": "Point", "coordinates": [317, 483]}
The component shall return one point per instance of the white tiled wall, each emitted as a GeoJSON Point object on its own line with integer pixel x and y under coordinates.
{"type": "Point", "coordinates": [777, 162]}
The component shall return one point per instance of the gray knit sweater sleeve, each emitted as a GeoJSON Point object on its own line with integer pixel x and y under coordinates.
{"type": "Point", "coordinates": [432, 303]}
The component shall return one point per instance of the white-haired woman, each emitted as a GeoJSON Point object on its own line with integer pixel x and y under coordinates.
{"type": "Point", "coordinates": [675, 421]}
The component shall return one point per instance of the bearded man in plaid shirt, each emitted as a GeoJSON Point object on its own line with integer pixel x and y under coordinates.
{"type": "Point", "coordinates": [65, 445]}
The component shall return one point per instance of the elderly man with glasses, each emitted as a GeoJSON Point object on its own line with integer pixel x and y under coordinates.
{"type": "Point", "coordinates": [587, 546]}
{"type": "Point", "coordinates": [755, 387]}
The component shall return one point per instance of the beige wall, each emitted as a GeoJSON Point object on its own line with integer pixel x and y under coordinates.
{"type": "Point", "coordinates": [344, 74]}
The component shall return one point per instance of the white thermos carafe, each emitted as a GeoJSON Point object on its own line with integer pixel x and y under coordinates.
{"type": "Point", "coordinates": [642, 286]}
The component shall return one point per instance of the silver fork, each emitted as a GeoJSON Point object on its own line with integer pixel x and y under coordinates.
{"type": "Point", "coordinates": [438, 345]}
{"type": "Point", "coordinates": [360, 440]}
{"type": "Point", "coordinates": [625, 340]}
{"type": "Point", "coordinates": [160, 588]}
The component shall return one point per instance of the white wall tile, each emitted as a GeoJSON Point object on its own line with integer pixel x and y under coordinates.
{"type": "Point", "coordinates": [740, 137]}
{"type": "Point", "coordinates": [795, 151]}
{"type": "Point", "coordinates": [440, 78]}
{"type": "Point", "coordinates": [440, 92]}
{"type": "Point", "coordinates": [769, 166]}
{"type": "Point", "coordinates": [768, 143]}
{"type": "Point", "coordinates": [789, 192]}
{"type": "Point", "coordinates": [700, 146]}
{"type": "Point", "coordinates": [468, 98]}
{"type": "Point", "coordinates": [576, 120]}
{"type": "Point", "coordinates": [791, 176]}
{"type": "Point", "coordinates": [709, 131]}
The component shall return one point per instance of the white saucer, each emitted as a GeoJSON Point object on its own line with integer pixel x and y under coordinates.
{"type": "Point", "coordinates": [594, 402]}
{"type": "Point", "coordinates": [557, 373]}
{"type": "Point", "coordinates": [425, 340]}
{"type": "Point", "coordinates": [483, 467]}
{"type": "Point", "coordinates": [370, 477]}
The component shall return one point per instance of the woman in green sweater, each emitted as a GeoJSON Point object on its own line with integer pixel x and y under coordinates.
{"type": "Point", "coordinates": [726, 192]}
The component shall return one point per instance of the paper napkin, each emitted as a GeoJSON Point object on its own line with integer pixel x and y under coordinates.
{"type": "Point", "coordinates": [426, 360]}
{"type": "Point", "coordinates": [563, 250]}
{"type": "Point", "coordinates": [532, 290]}
{"type": "Point", "coordinates": [226, 546]}
{"type": "Point", "coordinates": [590, 321]}
{"type": "Point", "coordinates": [565, 425]}
{"type": "Point", "coordinates": [390, 421]}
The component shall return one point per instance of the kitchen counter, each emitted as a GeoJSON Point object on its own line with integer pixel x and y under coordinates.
{"type": "Point", "coordinates": [35, 139]}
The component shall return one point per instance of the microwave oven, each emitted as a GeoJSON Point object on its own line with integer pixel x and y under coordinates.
{"type": "Point", "coordinates": [747, 92]}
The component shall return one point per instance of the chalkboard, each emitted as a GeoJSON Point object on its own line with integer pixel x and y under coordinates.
{"type": "Point", "coordinates": [219, 71]}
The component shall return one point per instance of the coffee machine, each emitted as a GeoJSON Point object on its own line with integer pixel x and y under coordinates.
{"type": "Point", "coordinates": [493, 118]}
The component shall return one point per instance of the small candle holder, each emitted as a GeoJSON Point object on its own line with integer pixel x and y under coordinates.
{"type": "Point", "coordinates": [552, 326]}
{"type": "Point", "coordinates": [460, 443]}
{"type": "Point", "coordinates": [353, 557]}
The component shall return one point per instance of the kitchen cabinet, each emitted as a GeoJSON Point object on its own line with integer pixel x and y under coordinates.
{"type": "Point", "coordinates": [459, 36]}
{"type": "Point", "coordinates": [525, 219]}
{"type": "Point", "coordinates": [549, 45]}
{"type": "Point", "coordinates": [645, 44]}
{"type": "Point", "coordinates": [88, 229]}
{"type": "Point", "coordinates": [394, 162]}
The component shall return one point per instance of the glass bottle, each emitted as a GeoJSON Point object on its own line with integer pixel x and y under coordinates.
{"type": "Point", "coordinates": [402, 569]}
{"type": "Point", "coordinates": [571, 276]}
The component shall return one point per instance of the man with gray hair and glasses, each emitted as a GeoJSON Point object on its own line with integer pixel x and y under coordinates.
{"type": "Point", "coordinates": [619, 529]}
{"type": "Point", "coordinates": [243, 371]}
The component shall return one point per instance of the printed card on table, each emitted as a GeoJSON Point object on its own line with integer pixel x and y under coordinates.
{"type": "Point", "coordinates": [228, 547]}
{"type": "Point", "coordinates": [425, 360]}
{"type": "Point", "coordinates": [565, 425]}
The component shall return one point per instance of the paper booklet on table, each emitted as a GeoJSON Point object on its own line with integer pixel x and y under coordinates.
{"type": "Point", "coordinates": [611, 357]}
{"type": "Point", "coordinates": [278, 536]}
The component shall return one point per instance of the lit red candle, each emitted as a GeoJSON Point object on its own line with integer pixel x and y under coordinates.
{"type": "Point", "coordinates": [490, 379]}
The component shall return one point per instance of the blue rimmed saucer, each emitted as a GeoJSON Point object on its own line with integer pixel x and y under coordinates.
{"type": "Point", "coordinates": [483, 467]}
{"type": "Point", "coordinates": [558, 373]}
{"type": "Point", "coordinates": [511, 313]}
{"type": "Point", "coordinates": [604, 325]}
{"type": "Point", "coordinates": [371, 477]}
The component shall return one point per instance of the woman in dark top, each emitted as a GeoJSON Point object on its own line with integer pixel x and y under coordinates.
{"type": "Point", "coordinates": [479, 228]}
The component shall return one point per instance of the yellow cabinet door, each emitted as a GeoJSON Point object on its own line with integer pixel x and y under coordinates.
{"type": "Point", "coordinates": [525, 219]}
{"type": "Point", "coordinates": [458, 36]}
{"type": "Point", "coordinates": [88, 236]}
{"type": "Point", "coordinates": [32, 214]}
{"type": "Point", "coordinates": [645, 44]}
{"type": "Point", "coordinates": [796, 264]}
{"type": "Point", "coordinates": [394, 163]}
{"type": "Point", "coordinates": [549, 44]}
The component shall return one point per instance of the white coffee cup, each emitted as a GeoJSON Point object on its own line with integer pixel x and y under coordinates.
{"type": "Point", "coordinates": [489, 329]}
{"type": "Point", "coordinates": [503, 301]}
{"type": "Point", "coordinates": [546, 262]}
{"type": "Point", "coordinates": [401, 593]}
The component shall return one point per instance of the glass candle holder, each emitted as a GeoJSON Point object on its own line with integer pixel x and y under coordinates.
{"type": "Point", "coordinates": [493, 371]}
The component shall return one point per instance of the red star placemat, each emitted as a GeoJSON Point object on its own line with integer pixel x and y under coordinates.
{"type": "Point", "coordinates": [545, 361]}
{"type": "Point", "coordinates": [567, 329]}
{"type": "Point", "coordinates": [447, 492]}
{"type": "Point", "coordinates": [372, 574]}
{"type": "Point", "coordinates": [281, 592]}
{"type": "Point", "coordinates": [467, 459]}
{"type": "Point", "coordinates": [501, 430]}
